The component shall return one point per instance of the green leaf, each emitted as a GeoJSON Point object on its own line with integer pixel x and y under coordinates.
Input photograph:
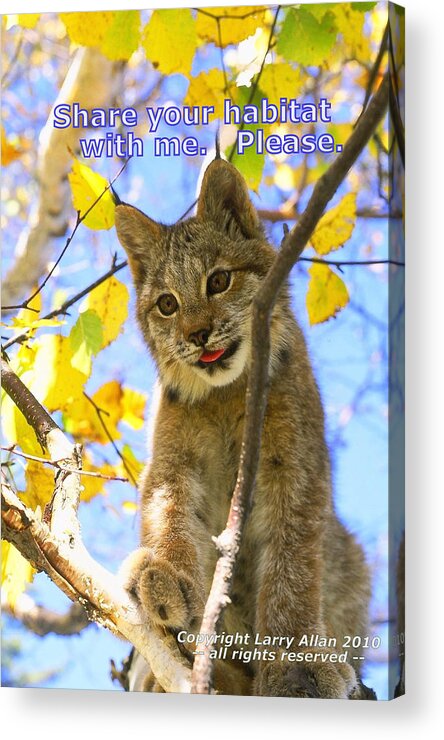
{"type": "Point", "coordinates": [363, 7]}
{"type": "Point", "coordinates": [250, 164]}
{"type": "Point", "coordinates": [115, 33]}
{"type": "Point", "coordinates": [123, 37]}
{"type": "Point", "coordinates": [86, 339]}
{"type": "Point", "coordinates": [304, 39]}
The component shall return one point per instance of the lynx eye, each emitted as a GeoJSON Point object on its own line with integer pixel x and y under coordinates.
{"type": "Point", "coordinates": [167, 304]}
{"type": "Point", "coordinates": [218, 282]}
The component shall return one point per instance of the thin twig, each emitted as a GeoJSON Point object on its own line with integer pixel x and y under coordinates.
{"type": "Point", "coordinates": [63, 309]}
{"type": "Point", "coordinates": [100, 412]}
{"type": "Point", "coordinates": [351, 263]}
{"type": "Point", "coordinates": [289, 212]}
{"type": "Point", "coordinates": [80, 219]}
{"type": "Point", "coordinates": [226, 17]}
{"type": "Point", "coordinates": [59, 466]}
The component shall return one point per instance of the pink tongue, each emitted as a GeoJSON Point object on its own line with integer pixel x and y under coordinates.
{"type": "Point", "coordinates": [212, 356]}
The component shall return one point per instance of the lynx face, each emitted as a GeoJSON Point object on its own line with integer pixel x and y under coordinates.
{"type": "Point", "coordinates": [195, 305]}
{"type": "Point", "coordinates": [195, 283]}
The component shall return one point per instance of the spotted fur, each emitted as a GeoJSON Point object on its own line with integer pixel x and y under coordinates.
{"type": "Point", "coordinates": [299, 571]}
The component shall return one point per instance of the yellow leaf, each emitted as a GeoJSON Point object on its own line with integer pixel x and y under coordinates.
{"type": "Point", "coordinates": [83, 421]}
{"type": "Point", "coordinates": [86, 187]}
{"type": "Point", "coordinates": [115, 33]}
{"type": "Point", "coordinates": [56, 383]}
{"type": "Point", "coordinates": [130, 507]}
{"type": "Point", "coordinates": [109, 399]}
{"type": "Point", "coordinates": [18, 323]}
{"type": "Point", "coordinates": [350, 23]}
{"type": "Point", "coordinates": [326, 294]}
{"type": "Point", "coordinates": [93, 486]}
{"type": "Point", "coordinates": [110, 302]}
{"type": "Point", "coordinates": [80, 419]}
{"type": "Point", "coordinates": [207, 86]}
{"type": "Point", "coordinates": [88, 29]}
{"type": "Point", "coordinates": [15, 427]}
{"type": "Point", "coordinates": [16, 573]}
{"type": "Point", "coordinates": [336, 226]}
{"type": "Point", "coordinates": [170, 40]}
{"type": "Point", "coordinates": [133, 404]}
{"type": "Point", "coordinates": [280, 80]}
{"type": "Point", "coordinates": [123, 37]}
{"type": "Point", "coordinates": [28, 20]}
{"type": "Point", "coordinates": [9, 151]}
{"type": "Point", "coordinates": [25, 20]}
{"type": "Point", "coordinates": [241, 23]}
{"type": "Point", "coordinates": [27, 317]}
{"type": "Point", "coordinates": [39, 484]}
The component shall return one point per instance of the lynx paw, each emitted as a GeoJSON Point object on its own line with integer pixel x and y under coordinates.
{"type": "Point", "coordinates": [168, 596]}
{"type": "Point", "coordinates": [308, 680]}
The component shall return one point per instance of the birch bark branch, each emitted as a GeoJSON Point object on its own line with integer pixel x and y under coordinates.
{"type": "Point", "coordinates": [57, 549]}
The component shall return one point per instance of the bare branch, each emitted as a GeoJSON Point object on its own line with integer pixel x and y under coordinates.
{"type": "Point", "coordinates": [289, 212]}
{"type": "Point", "coordinates": [84, 581]}
{"type": "Point", "coordinates": [59, 466]}
{"type": "Point", "coordinates": [351, 263]}
{"type": "Point", "coordinates": [63, 309]}
{"type": "Point", "coordinates": [229, 540]}
{"type": "Point", "coordinates": [43, 621]}
{"type": "Point", "coordinates": [100, 414]}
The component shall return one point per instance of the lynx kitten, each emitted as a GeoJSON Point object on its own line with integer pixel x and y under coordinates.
{"type": "Point", "coordinates": [299, 572]}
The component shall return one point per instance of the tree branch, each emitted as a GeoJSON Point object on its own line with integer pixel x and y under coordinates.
{"type": "Point", "coordinates": [63, 309]}
{"type": "Point", "coordinates": [55, 546]}
{"type": "Point", "coordinates": [289, 212]}
{"type": "Point", "coordinates": [229, 540]}
{"type": "Point", "coordinates": [84, 581]}
{"type": "Point", "coordinates": [59, 466]}
{"type": "Point", "coordinates": [43, 621]}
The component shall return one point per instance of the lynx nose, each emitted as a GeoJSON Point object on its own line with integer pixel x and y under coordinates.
{"type": "Point", "coordinates": [199, 337]}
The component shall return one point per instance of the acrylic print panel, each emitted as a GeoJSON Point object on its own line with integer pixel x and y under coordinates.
{"type": "Point", "coordinates": [112, 97]}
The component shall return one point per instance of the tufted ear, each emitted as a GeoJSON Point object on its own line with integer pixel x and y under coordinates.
{"type": "Point", "coordinates": [140, 237]}
{"type": "Point", "coordinates": [224, 200]}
